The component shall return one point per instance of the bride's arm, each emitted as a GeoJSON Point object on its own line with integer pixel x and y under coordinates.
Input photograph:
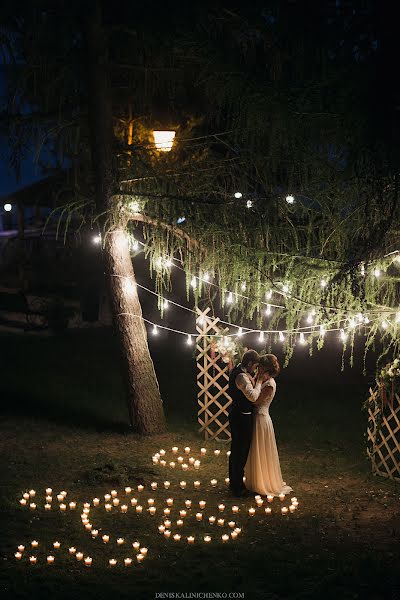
{"type": "Point", "coordinates": [266, 391]}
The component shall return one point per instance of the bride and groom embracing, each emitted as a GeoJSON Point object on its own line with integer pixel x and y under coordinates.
{"type": "Point", "coordinates": [254, 453]}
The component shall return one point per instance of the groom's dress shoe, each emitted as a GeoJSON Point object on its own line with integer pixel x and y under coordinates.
{"type": "Point", "coordinates": [243, 493]}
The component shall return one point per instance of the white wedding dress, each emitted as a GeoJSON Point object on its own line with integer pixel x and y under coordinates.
{"type": "Point", "coordinates": [262, 471]}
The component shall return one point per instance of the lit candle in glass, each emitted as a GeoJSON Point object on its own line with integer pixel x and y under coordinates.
{"type": "Point", "coordinates": [140, 488]}
{"type": "Point", "coordinates": [105, 538]}
{"type": "Point", "coordinates": [150, 501]}
{"type": "Point", "coordinates": [293, 500]}
{"type": "Point", "coordinates": [167, 484]}
{"type": "Point", "coordinates": [227, 480]}
{"type": "Point", "coordinates": [63, 507]}
{"type": "Point", "coordinates": [167, 511]}
{"type": "Point", "coordinates": [120, 541]}
{"type": "Point", "coordinates": [163, 463]}
{"type": "Point", "coordinates": [203, 451]}
{"type": "Point", "coordinates": [152, 510]}
{"type": "Point", "coordinates": [175, 449]}
{"type": "Point", "coordinates": [231, 524]}
{"type": "Point", "coordinates": [47, 506]}
{"type": "Point", "coordinates": [177, 537]}
{"type": "Point", "coordinates": [35, 544]}
{"type": "Point", "coordinates": [234, 535]}
{"type": "Point", "coordinates": [72, 505]}
{"type": "Point", "coordinates": [211, 520]}
{"type": "Point", "coordinates": [33, 560]}
{"type": "Point", "coordinates": [107, 497]}
{"type": "Point", "coordinates": [60, 497]}
{"type": "Point", "coordinates": [182, 513]}
{"type": "Point", "coordinates": [162, 452]}
{"type": "Point", "coordinates": [115, 501]}
{"type": "Point", "coordinates": [281, 497]}
{"type": "Point", "coordinates": [196, 484]}
{"type": "Point", "coordinates": [56, 545]}
{"type": "Point", "coordinates": [180, 459]}
{"type": "Point", "coordinates": [225, 537]}
{"type": "Point", "coordinates": [136, 545]}
{"type": "Point", "coordinates": [170, 501]}
{"type": "Point", "coordinates": [49, 491]}
{"type": "Point", "coordinates": [112, 562]}
{"type": "Point", "coordinates": [292, 508]}
{"type": "Point", "coordinates": [88, 526]}
{"type": "Point", "coordinates": [26, 496]}
{"type": "Point", "coordinates": [217, 452]}
{"type": "Point", "coordinates": [50, 560]}
{"type": "Point", "coordinates": [196, 464]}
{"type": "Point", "coordinates": [182, 484]}
{"type": "Point", "coordinates": [79, 555]}
{"type": "Point", "coordinates": [127, 562]}
{"type": "Point", "coordinates": [188, 503]}
{"type": "Point", "coordinates": [22, 502]}
{"type": "Point", "coordinates": [213, 482]}
{"type": "Point", "coordinates": [284, 510]}
{"type": "Point", "coordinates": [259, 502]}
{"type": "Point", "coordinates": [18, 555]}
{"type": "Point", "coordinates": [252, 512]}
{"type": "Point", "coordinates": [161, 528]}
{"type": "Point", "coordinates": [268, 510]}
{"type": "Point", "coordinates": [199, 516]}
{"type": "Point", "coordinates": [32, 493]}
{"type": "Point", "coordinates": [235, 509]}
{"type": "Point", "coordinates": [207, 538]}
{"type": "Point", "coordinates": [128, 490]}
{"type": "Point", "coordinates": [191, 460]}
{"type": "Point", "coordinates": [124, 508]}
{"type": "Point", "coordinates": [190, 539]}
{"type": "Point", "coordinates": [32, 506]}
{"type": "Point", "coordinates": [63, 493]}
{"type": "Point", "coordinates": [108, 507]}
{"type": "Point", "coordinates": [144, 551]}
{"type": "Point", "coordinates": [221, 507]}
{"type": "Point", "coordinates": [114, 493]}
{"type": "Point", "coordinates": [94, 532]}
{"type": "Point", "coordinates": [154, 485]}
{"type": "Point", "coordinates": [49, 498]}
{"type": "Point", "coordinates": [270, 498]}
{"type": "Point", "coordinates": [221, 522]}
{"type": "Point", "coordinates": [167, 523]}
{"type": "Point", "coordinates": [140, 557]}
{"type": "Point", "coordinates": [202, 504]}
{"type": "Point", "coordinates": [134, 501]}
{"type": "Point", "coordinates": [187, 449]}
{"type": "Point", "coordinates": [172, 464]}
{"type": "Point", "coordinates": [21, 548]}
{"type": "Point", "coordinates": [139, 509]}
{"type": "Point", "coordinates": [86, 505]}
{"type": "Point", "coordinates": [167, 534]}
{"type": "Point", "coordinates": [72, 550]}
{"type": "Point", "coordinates": [185, 467]}
{"type": "Point", "coordinates": [238, 530]}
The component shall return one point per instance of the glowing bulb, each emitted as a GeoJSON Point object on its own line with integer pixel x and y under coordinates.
{"type": "Point", "coordinates": [366, 319]}
{"type": "Point", "coordinates": [343, 335]}
{"type": "Point", "coordinates": [285, 288]}
{"type": "Point", "coordinates": [310, 318]}
{"type": "Point", "coordinates": [129, 286]}
{"type": "Point", "coordinates": [168, 262]}
{"type": "Point", "coordinates": [230, 298]}
{"type": "Point", "coordinates": [134, 206]}
{"type": "Point", "coordinates": [322, 330]}
{"type": "Point", "coordinates": [324, 283]}
{"type": "Point", "coordinates": [249, 204]}
{"type": "Point", "coordinates": [193, 283]}
{"type": "Point", "coordinates": [268, 310]}
{"type": "Point", "coordinates": [261, 336]}
{"type": "Point", "coordinates": [97, 239]}
{"type": "Point", "coordinates": [352, 323]}
{"type": "Point", "coordinates": [238, 195]}
{"type": "Point", "coordinates": [134, 244]}
{"type": "Point", "coordinates": [281, 337]}
{"type": "Point", "coordinates": [181, 220]}
{"type": "Point", "coordinates": [377, 272]}
{"type": "Point", "coordinates": [362, 269]}
{"type": "Point", "coordinates": [243, 286]}
{"type": "Point", "coordinates": [155, 330]}
{"type": "Point", "coordinates": [240, 332]}
{"type": "Point", "coordinates": [290, 199]}
{"type": "Point", "coordinates": [165, 304]}
{"type": "Point", "coordinates": [8, 207]}
{"type": "Point", "coordinates": [359, 317]}
{"type": "Point", "coordinates": [189, 340]}
{"type": "Point", "coordinates": [164, 140]}
{"type": "Point", "coordinates": [268, 295]}
{"type": "Point", "coordinates": [226, 341]}
{"type": "Point", "coordinates": [385, 324]}
{"type": "Point", "coordinates": [206, 277]}
{"type": "Point", "coordinates": [302, 338]}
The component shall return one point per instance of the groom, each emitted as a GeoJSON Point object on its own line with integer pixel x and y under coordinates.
{"type": "Point", "coordinates": [241, 410]}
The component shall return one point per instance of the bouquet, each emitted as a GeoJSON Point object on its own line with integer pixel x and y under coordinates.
{"type": "Point", "coordinates": [388, 380]}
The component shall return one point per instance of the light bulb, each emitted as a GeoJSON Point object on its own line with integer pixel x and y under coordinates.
{"type": "Point", "coordinates": [206, 277]}
{"type": "Point", "coordinates": [249, 204]}
{"type": "Point", "coordinates": [168, 262]}
{"type": "Point", "coordinates": [243, 286]}
{"type": "Point", "coordinates": [310, 318]}
{"type": "Point", "coordinates": [290, 199]}
{"type": "Point", "coordinates": [134, 206]}
{"type": "Point", "coordinates": [343, 335]}
{"type": "Point", "coordinates": [324, 283]}
{"type": "Point", "coordinates": [268, 295]}
{"type": "Point", "coordinates": [366, 319]}
{"type": "Point", "coordinates": [155, 330]}
{"type": "Point", "coordinates": [238, 195]}
{"type": "Point", "coordinates": [385, 324]}
{"type": "Point", "coordinates": [158, 262]}
{"type": "Point", "coordinates": [8, 207]}
{"type": "Point", "coordinates": [268, 310]}
{"type": "Point", "coordinates": [165, 304]}
{"type": "Point", "coordinates": [398, 317]}
{"type": "Point", "coordinates": [359, 317]}
{"type": "Point", "coordinates": [261, 336]}
{"type": "Point", "coordinates": [281, 337]}
{"type": "Point", "coordinates": [352, 323]}
{"type": "Point", "coordinates": [362, 269]}
{"type": "Point", "coordinates": [302, 338]}
{"type": "Point", "coordinates": [285, 288]}
{"type": "Point", "coordinates": [322, 330]}
{"type": "Point", "coordinates": [240, 332]}
{"type": "Point", "coordinates": [226, 341]}
{"type": "Point", "coordinates": [193, 283]}
{"type": "Point", "coordinates": [377, 272]}
{"type": "Point", "coordinates": [97, 239]}
{"type": "Point", "coordinates": [189, 340]}
{"type": "Point", "coordinates": [230, 298]}
{"type": "Point", "coordinates": [134, 244]}
{"type": "Point", "coordinates": [129, 286]}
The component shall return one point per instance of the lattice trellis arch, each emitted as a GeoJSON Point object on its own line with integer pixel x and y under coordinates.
{"type": "Point", "coordinates": [384, 440]}
{"type": "Point", "coordinates": [212, 381]}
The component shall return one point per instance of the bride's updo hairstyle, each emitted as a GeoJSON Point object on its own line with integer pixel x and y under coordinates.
{"type": "Point", "coordinates": [270, 364]}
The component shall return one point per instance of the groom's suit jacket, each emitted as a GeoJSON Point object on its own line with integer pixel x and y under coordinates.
{"type": "Point", "coordinates": [241, 402]}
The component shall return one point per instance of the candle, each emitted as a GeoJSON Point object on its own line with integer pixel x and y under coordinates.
{"type": "Point", "coordinates": [63, 493]}
{"type": "Point", "coordinates": [133, 501]}
{"type": "Point", "coordinates": [202, 504]}
{"type": "Point", "coordinates": [85, 511]}
{"type": "Point", "coordinates": [167, 523]}
{"type": "Point", "coordinates": [157, 455]}
{"type": "Point", "coordinates": [231, 524]}
{"type": "Point", "coordinates": [225, 537]}
{"type": "Point", "coordinates": [217, 452]}
{"type": "Point", "coordinates": [196, 484]}
{"type": "Point", "coordinates": [88, 561]}
{"type": "Point", "coordinates": [207, 538]}
{"type": "Point", "coordinates": [281, 497]}
{"type": "Point", "coordinates": [114, 493]}
{"type": "Point", "coordinates": [228, 453]}
{"type": "Point", "coordinates": [72, 550]}
{"type": "Point", "coordinates": [284, 510]}
{"type": "Point", "coordinates": [190, 539]}
{"type": "Point", "coordinates": [124, 508]}
{"type": "Point", "coordinates": [197, 464]}
{"type": "Point", "coordinates": [21, 548]}
{"type": "Point", "coordinates": [295, 503]}
{"type": "Point", "coordinates": [128, 490]}
{"type": "Point", "coordinates": [221, 507]}
{"type": "Point", "coordinates": [163, 463]}
{"type": "Point", "coordinates": [136, 545]}
{"type": "Point", "coordinates": [26, 496]}
{"type": "Point", "coordinates": [175, 449]}
{"type": "Point", "coordinates": [120, 541]}
{"type": "Point", "coordinates": [50, 560]}
{"type": "Point", "coordinates": [108, 507]}
{"type": "Point", "coordinates": [140, 557]}
{"type": "Point", "coordinates": [187, 449]}
{"type": "Point", "coordinates": [191, 460]}
{"type": "Point", "coordinates": [112, 562]}
{"type": "Point", "coordinates": [293, 500]}
{"type": "Point", "coordinates": [63, 507]}
{"type": "Point", "coordinates": [234, 535]}
{"type": "Point", "coordinates": [94, 532]}
{"type": "Point", "coordinates": [252, 512]}
{"type": "Point", "coordinates": [49, 491]}
{"type": "Point", "coordinates": [60, 497]}
{"type": "Point", "coordinates": [170, 501]}
{"type": "Point", "coordinates": [105, 538]}
{"type": "Point", "coordinates": [150, 501]}
{"type": "Point", "coordinates": [85, 521]}
{"type": "Point", "coordinates": [182, 513]}
{"type": "Point", "coordinates": [182, 484]}
{"type": "Point", "coordinates": [221, 522]}
{"type": "Point", "coordinates": [32, 506]}
{"type": "Point", "coordinates": [79, 555]}
{"type": "Point", "coordinates": [152, 510]}
{"type": "Point", "coordinates": [179, 522]}
{"type": "Point", "coordinates": [227, 480]}
{"type": "Point", "coordinates": [180, 459]}
{"type": "Point", "coordinates": [88, 526]}
{"type": "Point", "coordinates": [235, 509]}
{"type": "Point", "coordinates": [107, 497]}
{"type": "Point", "coordinates": [213, 482]}
{"type": "Point", "coordinates": [154, 485]}
{"type": "Point", "coordinates": [270, 497]}
{"type": "Point", "coordinates": [167, 511]}
{"type": "Point", "coordinates": [144, 551]}
{"type": "Point", "coordinates": [49, 498]}
{"type": "Point", "coordinates": [185, 467]}
{"type": "Point", "coordinates": [22, 502]}
{"type": "Point", "coordinates": [47, 506]}
{"type": "Point", "coordinates": [203, 451]}
{"type": "Point", "coordinates": [32, 493]}
{"type": "Point", "coordinates": [161, 528]}
{"type": "Point", "coordinates": [238, 530]}
{"type": "Point", "coordinates": [199, 516]}
{"type": "Point", "coordinates": [35, 544]}
{"type": "Point", "coordinates": [292, 508]}
{"type": "Point", "coordinates": [211, 520]}
{"type": "Point", "coordinates": [115, 501]}
{"type": "Point", "coordinates": [140, 488]}
{"type": "Point", "coordinates": [72, 505]}
{"type": "Point", "coordinates": [127, 562]}
{"type": "Point", "coordinates": [56, 545]}
{"type": "Point", "coordinates": [18, 555]}
{"type": "Point", "coordinates": [172, 464]}
{"type": "Point", "coordinates": [162, 452]}
{"type": "Point", "coordinates": [139, 509]}
{"type": "Point", "coordinates": [167, 534]}
{"type": "Point", "coordinates": [259, 502]}
{"type": "Point", "coordinates": [86, 505]}
{"type": "Point", "coordinates": [167, 484]}
{"type": "Point", "coordinates": [188, 503]}
{"type": "Point", "coordinates": [177, 537]}
{"type": "Point", "coordinates": [268, 510]}
{"type": "Point", "coordinates": [33, 560]}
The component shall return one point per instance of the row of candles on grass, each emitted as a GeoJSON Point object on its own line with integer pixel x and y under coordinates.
{"type": "Point", "coordinates": [159, 458]}
{"type": "Point", "coordinates": [79, 555]}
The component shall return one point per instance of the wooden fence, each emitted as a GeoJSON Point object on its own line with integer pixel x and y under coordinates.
{"type": "Point", "coordinates": [383, 432]}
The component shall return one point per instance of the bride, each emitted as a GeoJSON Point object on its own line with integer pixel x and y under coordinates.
{"type": "Point", "coordinates": [262, 471]}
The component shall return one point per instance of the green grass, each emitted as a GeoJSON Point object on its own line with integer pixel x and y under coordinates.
{"type": "Point", "coordinates": [64, 425]}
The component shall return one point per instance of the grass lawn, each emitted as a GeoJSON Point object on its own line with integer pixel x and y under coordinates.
{"type": "Point", "coordinates": [64, 426]}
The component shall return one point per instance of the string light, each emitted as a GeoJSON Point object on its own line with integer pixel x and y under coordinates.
{"type": "Point", "coordinates": [165, 304]}
{"type": "Point", "coordinates": [189, 340]}
{"type": "Point", "coordinates": [385, 324]}
{"type": "Point", "coordinates": [343, 335]}
{"type": "Point", "coordinates": [96, 239]}
{"type": "Point", "coordinates": [261, 337]}
{"type": "Point", "coordinates": [193, 283]}
{"type": "Point", "coordinates": [281, 337]}
{"type": "Point", "coordinates": [206, 277]}
{"type": "Point", "coordinates": [324, 283]}
{"type": "Point", "coordinates": [290, 199]}
{"type": "Point", "coordinates": [377, 273]}
{"type": "Point", "coordinates": [249, 204]}
{"type": "Point", "coordinates": [322, 330]}
{"type": "Point", "coordinates": [243, 286]}
{"type": "Point", "coordinates": [155, 330]}
{"type": "Point", "coordinates": [398, 317]}
{"type": "Point", "coordinates": [230, 298]}
{"type": "Point", "coordinates": [238, 195]}
{"type": "Point", "coordinates": [302, 338]}
{"type": "Point", "coordinates": [268, 295]}
{"type": "Point", "coordinates": [268, 310]}
{"type": "Point", "coordinates": [134, 244]}
{"type": "Point", "coordinates": [134, 206]}
{"type": "Point", "coordinates": [240, 332]}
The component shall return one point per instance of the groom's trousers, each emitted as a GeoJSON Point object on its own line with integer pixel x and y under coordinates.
{"type": "Point", "coordinates": [241, 426]}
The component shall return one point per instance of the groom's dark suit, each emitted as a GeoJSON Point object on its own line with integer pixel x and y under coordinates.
{"type": "Point", "coordinates": [241, 423]}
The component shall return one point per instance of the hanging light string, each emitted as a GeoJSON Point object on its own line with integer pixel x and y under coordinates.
{"type": "Point", "coordinates": [173, 260]}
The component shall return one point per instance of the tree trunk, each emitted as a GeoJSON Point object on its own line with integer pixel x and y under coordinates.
{"type": "Point", "coordinates": [143, 394]}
